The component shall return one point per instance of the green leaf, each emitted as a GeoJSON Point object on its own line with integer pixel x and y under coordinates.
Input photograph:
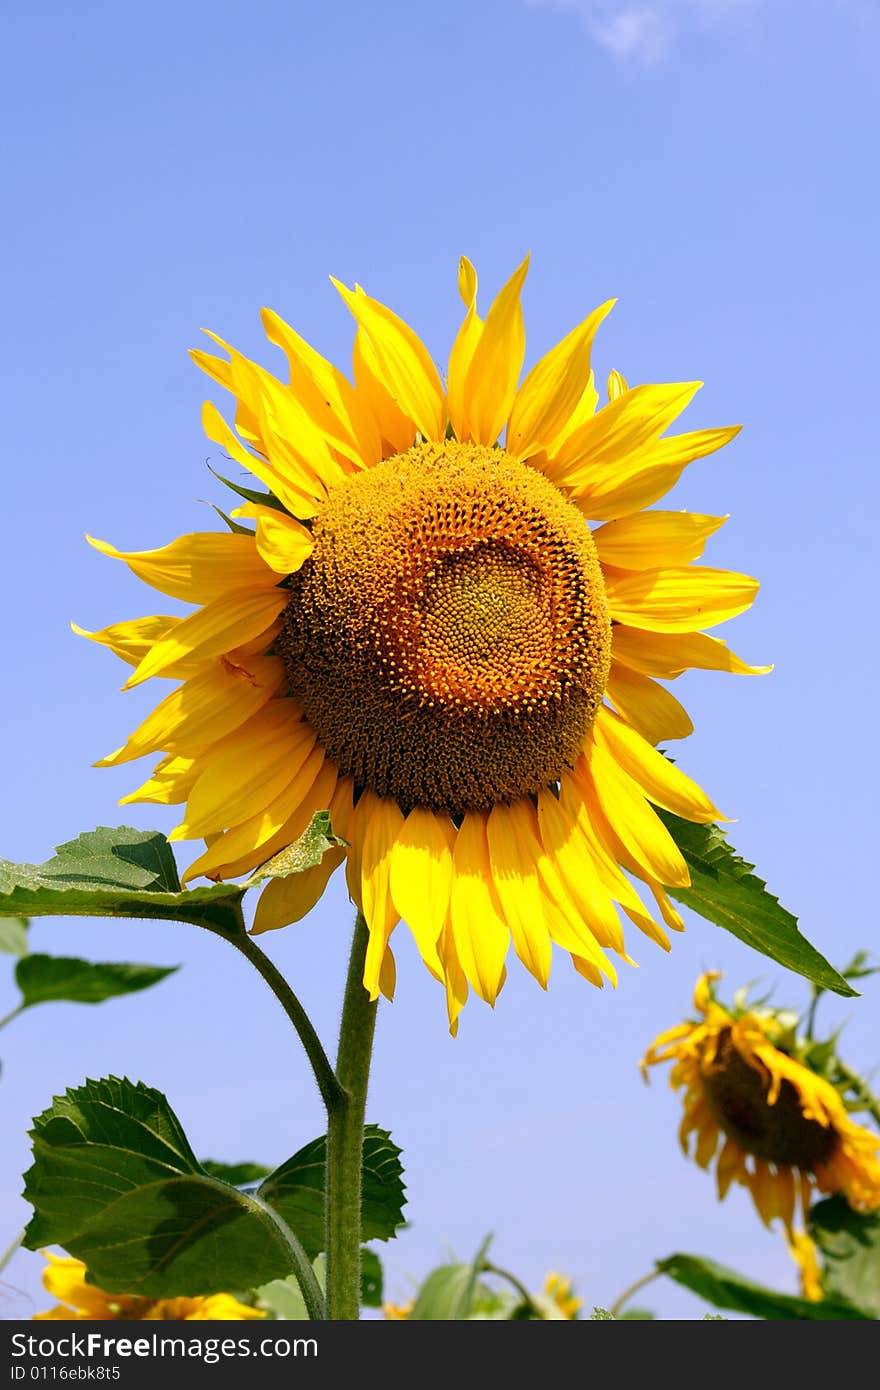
{"type": "Point", "coordinates": [304, 853]}
{"type": "Point", "coordinates": [724, 890]}
{"type": "Point", "coordinates": [296, 1190]}
{"type": "Point", "coordinates": [13, 936]}
{"type": "Point", "coordinates": [850, 1246]}
{"type": "Point", "coordinates": [117, 873]}
{"type": "Point", "coordinates": [451, 1292]}
{"type": "Point", "coordinates": [724, 1288]}
{"type": "Point", "coordinates": [371, 1279]}
{"type": "Point", "coordinates": [237, 1174]}
{"type": "Point", "coordinates": [115, 1183]}
{"type": "Point", "coordinates": [44, 978]}
{"type": "Point", "coordinates": [861, 966]}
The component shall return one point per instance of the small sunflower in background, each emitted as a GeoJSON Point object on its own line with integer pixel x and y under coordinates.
{"type": "Point", "coordinates": [771, 1107]}
{"type": "Point", "coordinates": [415, 626]}
{"type": "Point", "coordinates": [65, 1279]}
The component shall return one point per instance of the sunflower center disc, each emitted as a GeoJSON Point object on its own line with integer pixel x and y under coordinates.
{"type": "Point", "coordinates": [449, 638]}
{"type": "Point", "coordinates": [737, 1096]}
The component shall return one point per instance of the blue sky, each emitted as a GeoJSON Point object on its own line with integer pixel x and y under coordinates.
{"type": "Point", "coordinates": [708, 162]}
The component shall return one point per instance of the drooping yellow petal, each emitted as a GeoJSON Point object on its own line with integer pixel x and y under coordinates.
{"type": "Point", "coordinates": [388, 975]}
{"type": "Point", "coordinates": [331, 400]}
{"type": "Point", "coordinates": [646, 705]}
{"type": "Point", "coordinates": [396, 429]}
{"type": "Point", "coordinates": [454, 976]}
{"type": "Point", "coordinates": [490, 386]}
{"type": "Point", "coordinates": [550, 393]}
{"type": "Point", "coordinates": [293, 487]}
{"type": "Point", "coordinates": [564, 844]}
{"type": "Point", "coordinates": [248, 770]}
{"type": "Point", "coordinates": [383, 824]}
{"type": "Point", "coordinates": [421, 879]}
{"type": "Point", "coordinates": [659, 779]}
{"type": "Point", "coordinates": [217, 628]}
{"type": "Point", "coordinates": [199, 567]}
{"type": "Point", "coordinates": [635, 823]}
{"type": "Point", "coordinates": [481, 936]}
{"type": "Point", "coordinates": [287, 900]}
{"type": "Point", "coordinates": [679, 599]}
{"type": "Point", "coordinates": [653, 540]}
{"type": "Point", "coordinates": [668, 654]}
{"type": "Point", "coordinates": [616, 487]}
{"type": "Point", "coordinates": [463, 349]}
{"type": "Point", "coordinates": [283, 544]}
{"type": "Point", "coordinates": [518, 887]}
{"type": "Point", "coordinates": [204, 709]}
{"type": "Point", "coordinates": [404, 364]}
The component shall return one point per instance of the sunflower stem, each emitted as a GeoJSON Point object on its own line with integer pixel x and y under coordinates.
{"type": "Point", "coordinates": [13, 1013]}
{"type": "Point", "coordinates": [617, 1306]}
{"type": "Point", "coordinates": [345, 1138]}
{"type": "Point", "coordinates": [327, 1081]}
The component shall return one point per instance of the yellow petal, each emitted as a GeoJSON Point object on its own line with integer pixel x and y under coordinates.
{"type": "Point", "coordinates": [616, 386]}
{"type": "Point", "coordinates": [404, 364]}
{"type": "Point", "coordinates": [421, 879]}
{"type": "Point", "coordinates": [616, 487]}
{"type": "Point", "coordinates": [204, 709]}
{"type": "Point", "coordinates": [397, 430]}
{"type": "Point", "coordinates": [565, 846]}
{"type": "Point", "coordinates": [220, 370]}
{"type": "Point", "coordinates": [518, 887]}
{"type": "Point", "coordinates": [197, 568]}
{"type": "Point", "coordinates": [217, 628]}
{"type": "Point", "coordinates": [283, 544]}
{"type": "Point", "coordinates": [383, 823]}
{"type": "Point", "coordinates": [454, 976]}
{"type": "Point", "coordinates": [293, 487]}
{"type": "Point", "coordinates": [646, 705]}
{"type": "Point", "coordinates": [625, 427]}
{"type": "Point", "coordinates": [659, 779]}
{"type": "Point", "coordinates": [653, 540]}
{"type": "Point", "coordinates": [480, 934]}
{"type": "Point", "coordinates": [494, 369]}
{"type": "Point", "coordinates": [248, 770]}
{"type": "Point", "coordinates": [388, 975]}
{"type": "Point", "coordinates": [633, 820]}
{"type": "Point", "coordinates": [169, 784]}
{"type": "Point", "coordinates": [331, 400]}
{"type": "Point", "coordinates": [287, 900]}
{"type": "Point", "coordinates": [130, 640]}
{"type": "Point", "coordinates": [550, 393]}
{"type": "Point", "coordinates": [679, 599]}
{"type": "Point", "coordinates": [667, 654]}
{"type": "Point", "coordinates": [463, 350]}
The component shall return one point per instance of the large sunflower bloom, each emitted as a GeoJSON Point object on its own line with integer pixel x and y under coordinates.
{"type": "Point", "coordinates": [765, 1119]}
{"type": "Point", "coordinates": [420, 631]}
{"type": "Point", "coordinates": [65, 1278]}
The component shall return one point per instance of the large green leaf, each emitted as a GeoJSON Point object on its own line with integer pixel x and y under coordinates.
{"type": "Point", "coordinates": [725, 890]}
{"type": "Point", "coordinates": [296, 1190]}
{"type": "Point", "coordinates": [284, 1298]}
{"type": "Point", "coordinates": [42, 978]}
{"type": "Point", "coordinates": [238, 1174]}
{"type": "Point", "coordinates": [724, 1288]}
{"type": "Point", "coordinates": [115, 1182]}
{"type": "Point", "coordinates": [116, 873]}
{"type": "Point", "coordinates": [850, 1246]}
{"type": "Point", "coordinates": [452, 1293]}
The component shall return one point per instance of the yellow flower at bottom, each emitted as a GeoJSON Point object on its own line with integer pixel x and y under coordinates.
{"type": "Point", "coordinates": [446, 620]}
{"type": "Point", "coordinates": [397, 1312]}
{"type": "Point", "coordinates": [559, 1289]}
{"type": "Point", "coordinates": [768, 1121]}
{"type": "Point", "coordinates": [805, 1255]}
{"type": "Point", "coordinates": [65, 1278]}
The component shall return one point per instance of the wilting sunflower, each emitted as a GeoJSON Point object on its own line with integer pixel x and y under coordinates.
{"type": "Point", "coordinates": [767, 1119]}
{"type": "Point", "coordinates": [65, 1278]}
{"type": "Point", "coordinates": [420, 631]}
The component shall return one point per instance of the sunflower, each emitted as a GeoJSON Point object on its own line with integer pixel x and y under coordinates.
{"type": "Point", "coordinates": [415, 626]}
{"type": "Point", "coordinates": [769, 1122]}
{"type": "Point", "coordinates": [65, 1279]}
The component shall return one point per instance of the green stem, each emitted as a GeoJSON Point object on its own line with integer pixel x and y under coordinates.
{"type": "Point", "coordinates": [489, 1268]}
{"type": "Point", "coordinates": [345, 1138]}
{"type": "Point", "coordinates": [617, 1305]}
{"type": "Point", "coordinates": [329, 1085]}
{"type": "Point", "coordinates": [13, 1013]}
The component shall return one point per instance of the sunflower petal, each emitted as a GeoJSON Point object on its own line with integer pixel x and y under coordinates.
{"type": "Point", "coordinates": [617, 487]}
{"type": "Point", "coordinates": [283, 544]}
{"type": "Point", "coordinates": [219, 627]}
{"type": "Point", "coordinates": [479, 931]}
{"type": "Point", "coordinates": [518, 888]}
{"type": "Point", "coordinates": [198, 567]}
{"type": "Point", "coordinates": [668, 654]}
{"type": "Point", "coordinates": [646, 705]}
{"type": "Point", "coordinates": [660, 780]}
{"type": "Point", "coordinates": [287, 900]}
{"type": "Point", "coordinates": [678, 599]}
{"type": "Point", "coordinates": [553, 388]}
{"type": "Point", "coordinates": [293, 487]}
{"type": "Point", "coordinates": [653, 540]}
{"type": "Point", "coordinates": [397, 431]}
{"type": "Point", "coordinates": [635, 823]}
{"type": "Point", "coordinates": [383, 825]}
{"type": "Point", "coordinates": [463, 349]}
{"type": "Point", "coordinates": [421, 879]}
{"type": "Point", "coordinates": [490, 385]}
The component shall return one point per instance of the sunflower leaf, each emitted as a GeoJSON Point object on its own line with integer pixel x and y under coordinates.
{"type": "Point", "coordinates": [850, 1246]}
{"type": "Point", "coordinates": [14, 937]}
{"type": "Point", "coordinates": [305, 853]}
{"type": "Point", "coordinates": [115, 1182]}
{"type": "Point", "coordinates": [724, 890]}
{"type": "Point", "coordinates": [117, 872]}
{"type": "Point", "coordinates": [43, 978]}
{"type": "Point", "coordinates": [296, 1190]}
{"type": "Point", "coordinates": [724, 1288]}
